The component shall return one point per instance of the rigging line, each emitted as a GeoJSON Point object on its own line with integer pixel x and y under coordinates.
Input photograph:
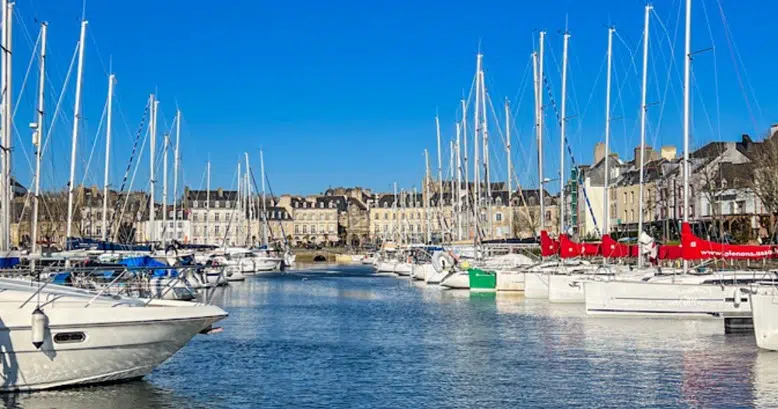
{"type": "Point", "coordinates": [629, 50]}
{"type": "Point", "coordinates": [695, 85]}
{"type": "Point", "coordinates": [94, 143]}
{"type": "Point", "coordinates": [591, 94]}
{"type": "Point", "coordinates": [734, 53]}
{"type": "Point", "coordinates": [141, 126]}
{"type": "Point", "coordinates": [715, 74]}
{"type": "Point", "coordinates": [672, 64]}
{"type": "Point", "coordinates": [570, 153]}
{"type": "Point", "coordinates": [59, 103]}
{"type": "Point", "coordinates": [21, 93]}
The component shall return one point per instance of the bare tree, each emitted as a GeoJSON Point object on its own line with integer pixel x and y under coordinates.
{"type": "Point", "coordinates": [764, 181]}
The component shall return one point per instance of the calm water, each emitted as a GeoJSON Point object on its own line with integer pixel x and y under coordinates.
{"type": "Point", "coordinates": [339, 337]}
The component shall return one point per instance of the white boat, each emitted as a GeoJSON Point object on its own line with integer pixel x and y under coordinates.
{"type": "Point", "coordinates": [537, 277]}
{"type": "Point", "coordinates": [510, 280]}
{"type": "Point", "coordinates": [459, 280]}
{"type": "Point", "coordinates": [711, 295]}
{"type": "Point", "coordinates": [232, 273]}
{"type": "Point", "coordinates": [764, 307]}
{"type": "Point", "coordinates": [368, 259]}
{"type": "Point", "coordinates": [385, 266]}
{"type": "Point", "coordinates": [265, 261]}
{"type": "Point", "coordinates": [402, 268]}
{"type": "Point", "coordinates": [420, 271]}
{"type": "Point", "coordinates": [75, 337]}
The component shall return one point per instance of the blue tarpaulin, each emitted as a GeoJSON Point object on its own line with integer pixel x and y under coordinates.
{"type": "Point", "coordinates": [146, 261]}
{"type": "Point", "coordinates": [8, 262]}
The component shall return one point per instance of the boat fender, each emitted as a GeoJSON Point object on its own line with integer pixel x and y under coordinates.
{"type": "Point", "coordinates": [736, 297]}
{"type": "Point", "coordinates": [441, 261]}
{"type": "Point", "coordinates": [38, 327]}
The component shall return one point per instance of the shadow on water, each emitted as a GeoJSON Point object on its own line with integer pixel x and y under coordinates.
{"type": "Point", "coordinates": [127, 395]}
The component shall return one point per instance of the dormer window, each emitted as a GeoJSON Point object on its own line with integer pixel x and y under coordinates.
{"type": "Point", "coordinates": [321, 205]}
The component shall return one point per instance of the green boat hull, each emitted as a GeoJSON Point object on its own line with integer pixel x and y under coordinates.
{"type": "Point", "coordinates": [481, 280]}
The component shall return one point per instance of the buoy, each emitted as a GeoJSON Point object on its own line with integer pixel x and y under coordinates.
{"type": "Point", "coordinates": [38, 327]}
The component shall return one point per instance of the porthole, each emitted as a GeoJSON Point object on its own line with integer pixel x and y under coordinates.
{"type": "Point", "coordinates": [69, 337]}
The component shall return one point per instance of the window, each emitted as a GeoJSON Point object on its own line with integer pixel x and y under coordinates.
{"type": "Point", "coordinates": [741, 206]}
{"type": "Point", "coordinates": [625, 198]}
{"type": "Point", "coordinates": [632, 214]}
{"type": "Point", "coordinates": [216, 217]}
{"type": "Point", "coordinates": [194, 204]}
{"type": "Point", "coordinates": [386, 216]}
{"type": "Point", "coordinates": [194, 217]}
{"type": "Point", "coordinates": [710, 209]}
{"type": "Point", "coordinates": [227, 204]}
{"type": "Point", "coordinates": [321, 205]}
{"type": "Point", "coordinates": [632, 197]}
{"type": "Point", "coordinates": [216, 229]}
{"type": "Point", "coordinates": [69, 337]}
{"type": "Point", "coordinates": [498, 217]}
{"type": "Point", "coordinates": [625, 216]}
{"type": "Point", "coordinates": [332, 228]}
{"type": "Point", "coordinates": [216, 204]}
{"type": "Point", "coordinates": [313, 229]}
{"type": "Point", "coordinates": [731, 211]}
{"type": "Point", "coordinates": [305, 229]}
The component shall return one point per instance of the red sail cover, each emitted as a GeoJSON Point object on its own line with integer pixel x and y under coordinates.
{"type": "Point", "coordinates": [695, 248]}
{"type": "Point", "coordinates": [548, 246]}
{"type": "Point", "coordinates": [612, 248]}
{"type": "Point", "coordinates": [569, 248]}
{"type": "Point", "coordinates": [667, 252]}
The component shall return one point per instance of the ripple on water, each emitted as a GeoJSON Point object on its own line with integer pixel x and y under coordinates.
{"type": "Point", "coordinates": [340, 337]}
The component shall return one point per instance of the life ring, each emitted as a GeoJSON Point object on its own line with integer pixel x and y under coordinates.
{"type": "Point", "coordinates": [442, 261]}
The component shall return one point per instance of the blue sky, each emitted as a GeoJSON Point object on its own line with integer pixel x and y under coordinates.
{"type": "Point", "coordinates": [345, 92]}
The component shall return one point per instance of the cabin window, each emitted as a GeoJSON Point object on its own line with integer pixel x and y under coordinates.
{"type": "Point", "coordinates": [69, 337]}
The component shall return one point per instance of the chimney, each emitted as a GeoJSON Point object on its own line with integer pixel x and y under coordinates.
{"type": "Point", "coordinates": [599, 152]}
{"type": "Point", "coordinates": [220, 192]}
{"type": "Point", "coordinates": [668, 152]}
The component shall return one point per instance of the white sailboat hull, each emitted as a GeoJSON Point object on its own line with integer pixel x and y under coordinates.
{"type": "Point", "coordinates": [422, 271]}
{"type": "Point", "coordinates": [385, 267]}
{"type": "Point", "coordinates": [510, 280]}
{"type": "Point", "coordinates": [457, 281]}
{"type": "Point", "coordinates": [647, 299]}
{"type": "Point", "coordinates": [403, 269]}
{"type": "Point", "coordinates": [764, 306]}
{"type": "Point", "coordinates": [536, 284]}
{"type": "Point", "coordinates": [566, 288]}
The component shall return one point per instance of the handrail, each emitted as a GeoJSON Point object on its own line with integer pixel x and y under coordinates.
{"type": "Point", "coordinates": [99, 293]}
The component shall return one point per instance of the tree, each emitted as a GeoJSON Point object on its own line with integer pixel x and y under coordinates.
{"type": "Point", "coordinates": [764, 181]}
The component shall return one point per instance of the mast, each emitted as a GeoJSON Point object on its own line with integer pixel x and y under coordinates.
{"type": "Point", "coordinates": [5, 242]}
{"type": "Point", "coordinates": [176, 159]}
{"type": "Point", "coordinates": [264, 200]}
{"type": "Point", "coordinates": [165, 144]}
{"type": "Point", "coordinates": [440, 180]}
{"type": "Point", "coordinates": [76, 118]}
{"type": "Point", "coordinates": [152, 181]}
{"type": "Point", "coordinates": [643, 113]}
{"type": "Point", "coordinates": [686, 92]}
{"type": "Point", "coordinates": [539, 122]}
{"type": "Point", "coordinates": [7, 89]}
{"type": "Point", "coordinates": [207, 200]}
{"type": "Point", "coordinates": [562, 129]}
{"type": "Point", "coordinates": [510, 167]}
{"type": "Point", "coordinates": [606, 186]}
{"type": "Point", "coordinates": [459, 184]}
{"type": "Point", "coordinates": [238, 206]}
{"type": "Point", "coordinates": [36, 141]}
{"type": "Point", "coordinates": [467, 170]}
{"type": "Point", "coordinates": [394, 213]}
{"type": "Point", "coordinates": [427, 196]}
{"type": "Point", "coordinates": [111, 82]}
{"type": "Point", "coordinates": [451, 188]}
{"type": "Point", "coordinates": [248, 197]}
{"type": "Point", "coordinates": [485, 136]}
{"type": "Point", "coordinates": [476, 159]}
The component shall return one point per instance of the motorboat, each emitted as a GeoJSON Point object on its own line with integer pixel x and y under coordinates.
{"type": "Point", "coordinates": [763, 299]}
{"type": "Point", "coordinates": [54, 336]}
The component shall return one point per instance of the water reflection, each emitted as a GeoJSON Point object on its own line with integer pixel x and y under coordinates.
{"type": "Point", "coordinates": [343, 337]}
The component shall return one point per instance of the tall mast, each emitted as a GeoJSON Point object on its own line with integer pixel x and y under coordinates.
{"type": "Point", "coordinates": [248, 197]}
{"type": "Point", "coordinates": [451, 187]}
{"type": "Point", "coordinates": [152, 160]}
{"type": "Point", "coordinates": [207, 200]}
{"type": "Point", "coordinates": [76, 118]}
{"type": "Point", "coordinates": [5, 199]}
{"type": "Point", "coordinates": [104, 230]}
{"type": "Point", "coordinates": [459, 184]}
{"type": "Point", "coordinates": [264, 200]}
{"type": "Point", "coordinates": [540, 132]}
{"type": "Point", "coordinates": [176, 159]}
{"type": "Point", "coordinates": [7, 89]}
{"type": "Point", "coordinates": [643, 113]}
{"type": "Point", "coordinates": [396, 215]}
{"type": "Point", "coordinates": [606, 185]}
{"type": "Point", "coordinates": [562, 129]}
{"type": "Point", "coordinates": [485, 135]}
{"type": "Point", "coordinates": [440, 179]}
{"type": "Point", "coordinates": [238, 205]}
{"type": "Point", "coordinates": [510, 167]}
{"type": "Point", "coordinates": [476, 159]}
{"type": "Point", "coordinates": [427, 196]}
{"type": "Point", "coordinates": [165, 144]}
{"type": "Point", "coordinates": [36, 141]}
{"type": "Point", "coordinates": [686, 92]}
{"type": "Point", "coordinates": [464, 164]}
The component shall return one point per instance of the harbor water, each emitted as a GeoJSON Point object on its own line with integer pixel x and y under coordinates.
{"type": "Point", "coordinates": [342, 337]}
